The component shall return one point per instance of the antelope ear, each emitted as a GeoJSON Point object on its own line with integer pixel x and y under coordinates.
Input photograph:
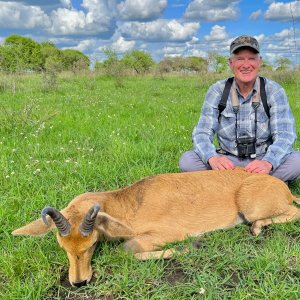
{"type": "Point", "coordinates": [35, 228]}
{"type": "Point", "coordinates": [113, 228]}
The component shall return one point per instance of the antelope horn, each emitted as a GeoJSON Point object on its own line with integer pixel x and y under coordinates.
{"type": "Point", "coordinates": [60, 221]}
{"type": "Point", "coordinates": [88, 222]}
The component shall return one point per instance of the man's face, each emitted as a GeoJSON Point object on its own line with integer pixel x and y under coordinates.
{"type": "Point", "coordinates": [245, 65]}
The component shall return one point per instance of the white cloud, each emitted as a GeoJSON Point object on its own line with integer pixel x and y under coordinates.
{"type": "Point", "coordinates": [160, 30]}
{"type": "Point", "coordinates": [274, 47]}
{"type": "Point", "coordinates": [183, 50]}
{"type": "Point", "coordinates": [260, 38]}
{"type": "Point", "coordinates": [84, 45]}
{"type": "Point", "coordinates": [217, 33]}
{"type": "Point", "coordinates": [174, 50]}
{"type": "Point", "coordinates": [207, 10]}
{"type": "Point", "coordinates": [122, 46]}
{"type": "Point", "coordinates": [98, 19]}
{"type": "Point", "coordinates": [286, 33]}
{"type": "Point", "coordinates": [66, 3]}
{"type": "Point", "coordinates": [18, 15]}
{"type": "Point", "coordinates": [255, 15]}
{"type": "Point", "coordinates": [197, 52]}
{"type": "Point", "coordinates": [279, 11]}
{"type": "Point", "coordinates": [37, 2]}
{"type": "Point", "coordinates": [141, 10]}
{"type": "Point", "coordinates": [286, 47]}
{"type": "Point", "coordinates": [67, 21]}
{"type": "Point", "coordinates": [272, 57]}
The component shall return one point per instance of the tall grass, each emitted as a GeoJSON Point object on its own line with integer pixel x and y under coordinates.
{"type": "Point", "coordinates": [89, 135]}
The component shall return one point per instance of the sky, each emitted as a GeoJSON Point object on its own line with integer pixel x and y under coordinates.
{"type": "Point", "coordinates": [160, 27]}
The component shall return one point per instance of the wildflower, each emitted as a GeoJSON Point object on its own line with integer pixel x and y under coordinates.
{"type": "Point", "coordinates": [12, 161]}
{"type": "Point", "coordinates": [12, 173]}
{"type": "Point", "coordinates": [37, 171]}
{"type": "Point", "coordinates": [7, 176]}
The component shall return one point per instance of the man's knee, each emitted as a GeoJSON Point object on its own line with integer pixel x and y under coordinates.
{"type": "Point", "coordinates": [190, 161]}
{"type": "Point", "coordinates": [294, 163]}
{"type": "Point", "coordinates": [290, 169]}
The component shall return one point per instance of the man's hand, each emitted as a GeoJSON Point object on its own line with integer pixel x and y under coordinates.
{"type": "Point", "coordinates": [220, 163]}
{"type": "Point", "coordinates": [259, 166]}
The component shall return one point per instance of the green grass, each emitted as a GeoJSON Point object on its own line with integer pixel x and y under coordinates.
{"type": "Point", "coordinates": [89, 135]}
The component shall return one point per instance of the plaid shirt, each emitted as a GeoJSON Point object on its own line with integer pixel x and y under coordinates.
{"type": "Point", "coordinates": [280, 128]}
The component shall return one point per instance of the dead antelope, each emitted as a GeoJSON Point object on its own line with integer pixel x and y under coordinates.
{"type": "Point", "coordinates": [162, 209]}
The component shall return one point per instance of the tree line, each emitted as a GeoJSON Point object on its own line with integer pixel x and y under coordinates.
{"type": "Point", "coordinates": [19, 54]}
{"type": "Point", "coordinates": [22, 54]}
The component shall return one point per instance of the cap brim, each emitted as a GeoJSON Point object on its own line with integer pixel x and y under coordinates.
{"type": "Point", "coordinates": [244, 46]}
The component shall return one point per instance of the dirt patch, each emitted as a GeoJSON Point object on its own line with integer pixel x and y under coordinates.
{"type": "Point", "coordinates": [293, 236]}
{"type": "Point", "coordinates": [198, 244]}
{"type": "Point", "coordinates": [174, 273]}
{"type": "Point", "coordinates": [56, 293]}
{"type": "Point", "coordinates": [233, 282]}
{"type": "Point", "coordinates": [65, 291]}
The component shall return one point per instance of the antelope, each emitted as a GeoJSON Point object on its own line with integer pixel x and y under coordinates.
{"type": "Point", "coordinates": [162, 209]}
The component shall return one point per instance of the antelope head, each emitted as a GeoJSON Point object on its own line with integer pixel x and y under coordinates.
{"type": "Point", "coordinates": [78, 239]}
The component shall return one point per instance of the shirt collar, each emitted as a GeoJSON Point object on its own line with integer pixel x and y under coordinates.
{"type": "Point", "coordinates": [254, 90]}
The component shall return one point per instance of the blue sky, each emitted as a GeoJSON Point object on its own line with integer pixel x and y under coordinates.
{"type": "Point", "coordinates": [160, 27]}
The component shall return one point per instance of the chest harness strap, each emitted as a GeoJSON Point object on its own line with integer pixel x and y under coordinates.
{"type": "Point", "coordinates": [236, 107]}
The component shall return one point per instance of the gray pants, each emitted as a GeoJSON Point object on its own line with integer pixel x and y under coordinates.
{"type": "Point", "coordinates": [289, 170]}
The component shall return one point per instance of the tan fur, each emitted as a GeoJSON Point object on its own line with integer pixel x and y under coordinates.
{"type": "Point", "coordinates": [167, 208]}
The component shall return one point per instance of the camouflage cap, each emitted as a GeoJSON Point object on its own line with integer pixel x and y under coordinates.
{"type": "Point", "coordinates": [244, 41]}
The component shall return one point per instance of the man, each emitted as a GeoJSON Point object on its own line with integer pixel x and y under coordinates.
{"type": "Point", "coordinates": [247, 136]}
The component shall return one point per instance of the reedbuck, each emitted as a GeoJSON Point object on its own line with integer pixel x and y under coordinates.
{"type": "Point", "coordinates": [162, 209]}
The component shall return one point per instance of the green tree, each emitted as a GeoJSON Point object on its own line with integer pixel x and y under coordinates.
{"type": "Point", "coordinates": [99, 66]}
{"type": "Point", "coordinates": [70, 59]}
{"type": "Point", "coordinates": [266, 66]}
{"type": "Point", "coordinates": [197, 64]}
{"type": "Point", "coordinates": [165, 65]}
{"type": "Point", "coordinates": [218, 63]}
{"type": "Point", "coordinates": [111, 58]}
{"type": "Point", "coordinates": [52, 54]}
{"type": "Point", "coordinates": [27, 53]}
{"type": "Point", "coordinates": [113, 66]}
{"type": "Point", "coordinates": [8, 59]}
{"type": "Point", "coordinates": [138, 60]}
{"type": "Point", "coordinates": [283, 64]}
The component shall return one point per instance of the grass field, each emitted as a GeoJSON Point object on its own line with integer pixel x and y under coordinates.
{"type": "Point", "coordinates": [88, 134]}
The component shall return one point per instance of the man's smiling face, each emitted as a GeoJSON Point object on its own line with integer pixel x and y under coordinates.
{"type": "Point", "coordinates": [245, 65]}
